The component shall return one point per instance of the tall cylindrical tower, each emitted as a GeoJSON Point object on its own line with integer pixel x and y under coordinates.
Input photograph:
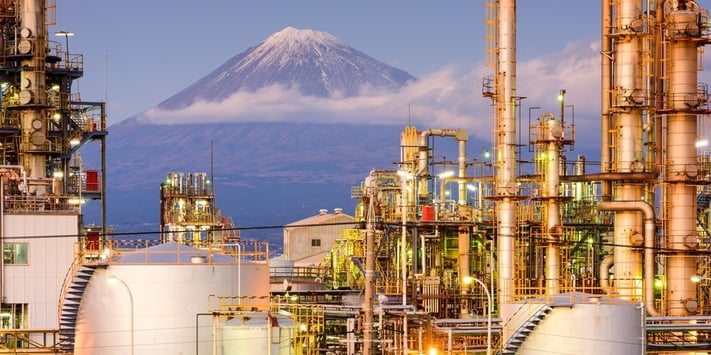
{"type": "Point", "coordinates": [32, 96]}
{"type": "Point", "coordinates": [505, 135]}
{"type": "Point", "coordinates": [628, 142]}
{"type": "Point", "coordinates": [683, 31]}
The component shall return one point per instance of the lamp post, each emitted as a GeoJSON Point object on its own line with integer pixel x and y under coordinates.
{"type": "Point", "coordinates": [113, 279]}
{"type": "Point", "coordinates": [66, 35]}
{"type": "Point", "coordinates": [468, 280]}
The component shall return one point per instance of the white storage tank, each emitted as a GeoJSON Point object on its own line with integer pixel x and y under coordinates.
{"type": "Point", "coordinates": [576, 323]}
{"type": "Point", "coordinates": [157, 300]}
{"type": "Point", "coordinates": [257, 333]}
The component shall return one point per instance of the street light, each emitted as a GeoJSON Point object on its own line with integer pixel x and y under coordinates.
{"type": "Point", "coordinates": [66, 35]}
{"type": "Point", "coordinates": [113, 279]}
{"type": "Point", "coordinates": [467, 281]}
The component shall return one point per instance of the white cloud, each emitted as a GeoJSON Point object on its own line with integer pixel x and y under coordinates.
{"type": "Point", "coordinates": [449, 98]}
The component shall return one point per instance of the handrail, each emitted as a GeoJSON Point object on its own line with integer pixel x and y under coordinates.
{"type": "Point", "coordinates": [68, 279]}
{"type": "Point", "coordinates": [29, 344]}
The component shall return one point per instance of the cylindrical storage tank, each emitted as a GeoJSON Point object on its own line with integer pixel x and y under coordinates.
{"type": "Point", "coordinates": [281, 272]}
{"type": "Point", "coordinates": [427, 213]}
{"type": "Point", "coordinates": [157, 301]}
{"type": "Point", "coordinates": [257, 333]}
{"type": "Point", "coordinates": [583, 325]}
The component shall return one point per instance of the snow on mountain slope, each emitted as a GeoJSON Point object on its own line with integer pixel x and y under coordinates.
{"type": "Point", "coordinates": [312, 62]}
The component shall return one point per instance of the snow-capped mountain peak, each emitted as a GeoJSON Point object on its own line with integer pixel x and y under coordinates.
{"type": "Point", "coordinates": [295, 36]}
{"type": "Point", "coordinates": [314, 63]}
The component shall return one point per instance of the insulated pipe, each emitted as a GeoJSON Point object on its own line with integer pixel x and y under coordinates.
{"type": "Point", "coordinates": [649, 234]}
{"type": "Point", "coordinates": [370, 185]}
{"type": "Point", "coordinates": [462, 160]}
{"type": "Point", "coordinates": [606, 77]}
{"type": "Point", "coordinates": [2, 238]}
{"type": "Point", "coordinates": [505, 132]}
{"type": "Point", "coordinates": [461, 136]}
{"type": "Point", "coordinates": [628, 176]}
{"type": "Point", "coordinates": [659, 83]}
{"type": "Point", "coordinates": [403, 237]}
{"type": "Point", "coordinates": [605, 266]}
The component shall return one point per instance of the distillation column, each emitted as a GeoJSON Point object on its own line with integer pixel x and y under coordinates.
{"type": "Point", "coordinates": [628, 152]}
{"type": "Point", "coordinates": [552, 130]}
{"type": "Point", "coordinates": [33, 96]}
{"type": "Point", "coordinates": [680, 163]}
{"type": "Point", "coordinates": [505, 131]}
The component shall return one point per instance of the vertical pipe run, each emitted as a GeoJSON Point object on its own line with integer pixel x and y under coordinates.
{"type": "Point", "coordinates": [606, 78]}
{"type": "Point", "coordinates": [2, 239]}
{"type": "Point", "coordinates": [369, 267]}
{"type": "Point", "coordinates": [506, 187]}
{"type": "Point", "coordinates": [403, 238]}
{"type": "Point", "coordinates": [649, 249]}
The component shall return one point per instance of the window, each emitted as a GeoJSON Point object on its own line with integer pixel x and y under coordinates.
{"type": "Point", "coordinates": [15, 254]}
{"type": "Point", "coordinates": [13, 315]}
{"type": "Point", "coordinates": [315, 242]}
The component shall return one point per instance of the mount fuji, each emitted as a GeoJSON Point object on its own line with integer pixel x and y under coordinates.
{"type": "Point", "coordinates": [265, 172]}
{"type": "Point", "coordinates": [312, 62]}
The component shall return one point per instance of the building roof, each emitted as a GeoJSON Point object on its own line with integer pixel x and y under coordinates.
{"type": "Point", "coordinates": [323, 217]}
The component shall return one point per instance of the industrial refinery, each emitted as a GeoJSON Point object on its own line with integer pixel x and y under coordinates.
{"type": "Point", "coordinates": [530, 247]}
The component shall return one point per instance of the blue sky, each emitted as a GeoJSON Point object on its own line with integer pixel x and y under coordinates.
{"type": "Point", "coordinates": [139, 53]}
{"type": "Point", "coordinates": [152, 49]}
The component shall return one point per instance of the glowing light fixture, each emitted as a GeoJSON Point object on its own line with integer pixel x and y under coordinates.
{"type": "Point", "coordinates": [696, 278]}
{"type": "Point", "coordinates": [445, 174]}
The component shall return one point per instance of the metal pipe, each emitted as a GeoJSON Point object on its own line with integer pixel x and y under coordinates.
{"type": "Point", "coordinates": [2, 238]}
{"type": "Point", "coordinates": [621, 176]}
{"type": "Point", "coordinates": [424, 260]}
{"type": "Point", "coordinates": [649, 234]}
{"type": "Point", "coordinates": [458, 134]}
{"type": "Point", "coordinates": [606, 77]}
{"type": "Point", "coordinates": [462, 160]}
{"type": "Point", "coordinates": [369, 267]}
{"type": "Point", "coordinates": [403, 238]}
{"type": "Point", "coordinates": [659, 83]}
{"type": "Point", "coordinates": [605, 266]}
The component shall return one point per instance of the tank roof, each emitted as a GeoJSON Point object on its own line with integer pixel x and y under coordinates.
{"type": "Point", "coordinates": [173, 253]}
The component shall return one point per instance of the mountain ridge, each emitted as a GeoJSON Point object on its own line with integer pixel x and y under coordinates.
{"type": "Point", "coordinates": [312, 62]}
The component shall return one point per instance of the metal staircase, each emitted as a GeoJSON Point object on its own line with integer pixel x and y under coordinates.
{"type": "Point", "coordinates": [703, 197]}
{"type": "Point", "coordinates": [521, 334]}
{"type": "Point", "coordinates": [71, 299]}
